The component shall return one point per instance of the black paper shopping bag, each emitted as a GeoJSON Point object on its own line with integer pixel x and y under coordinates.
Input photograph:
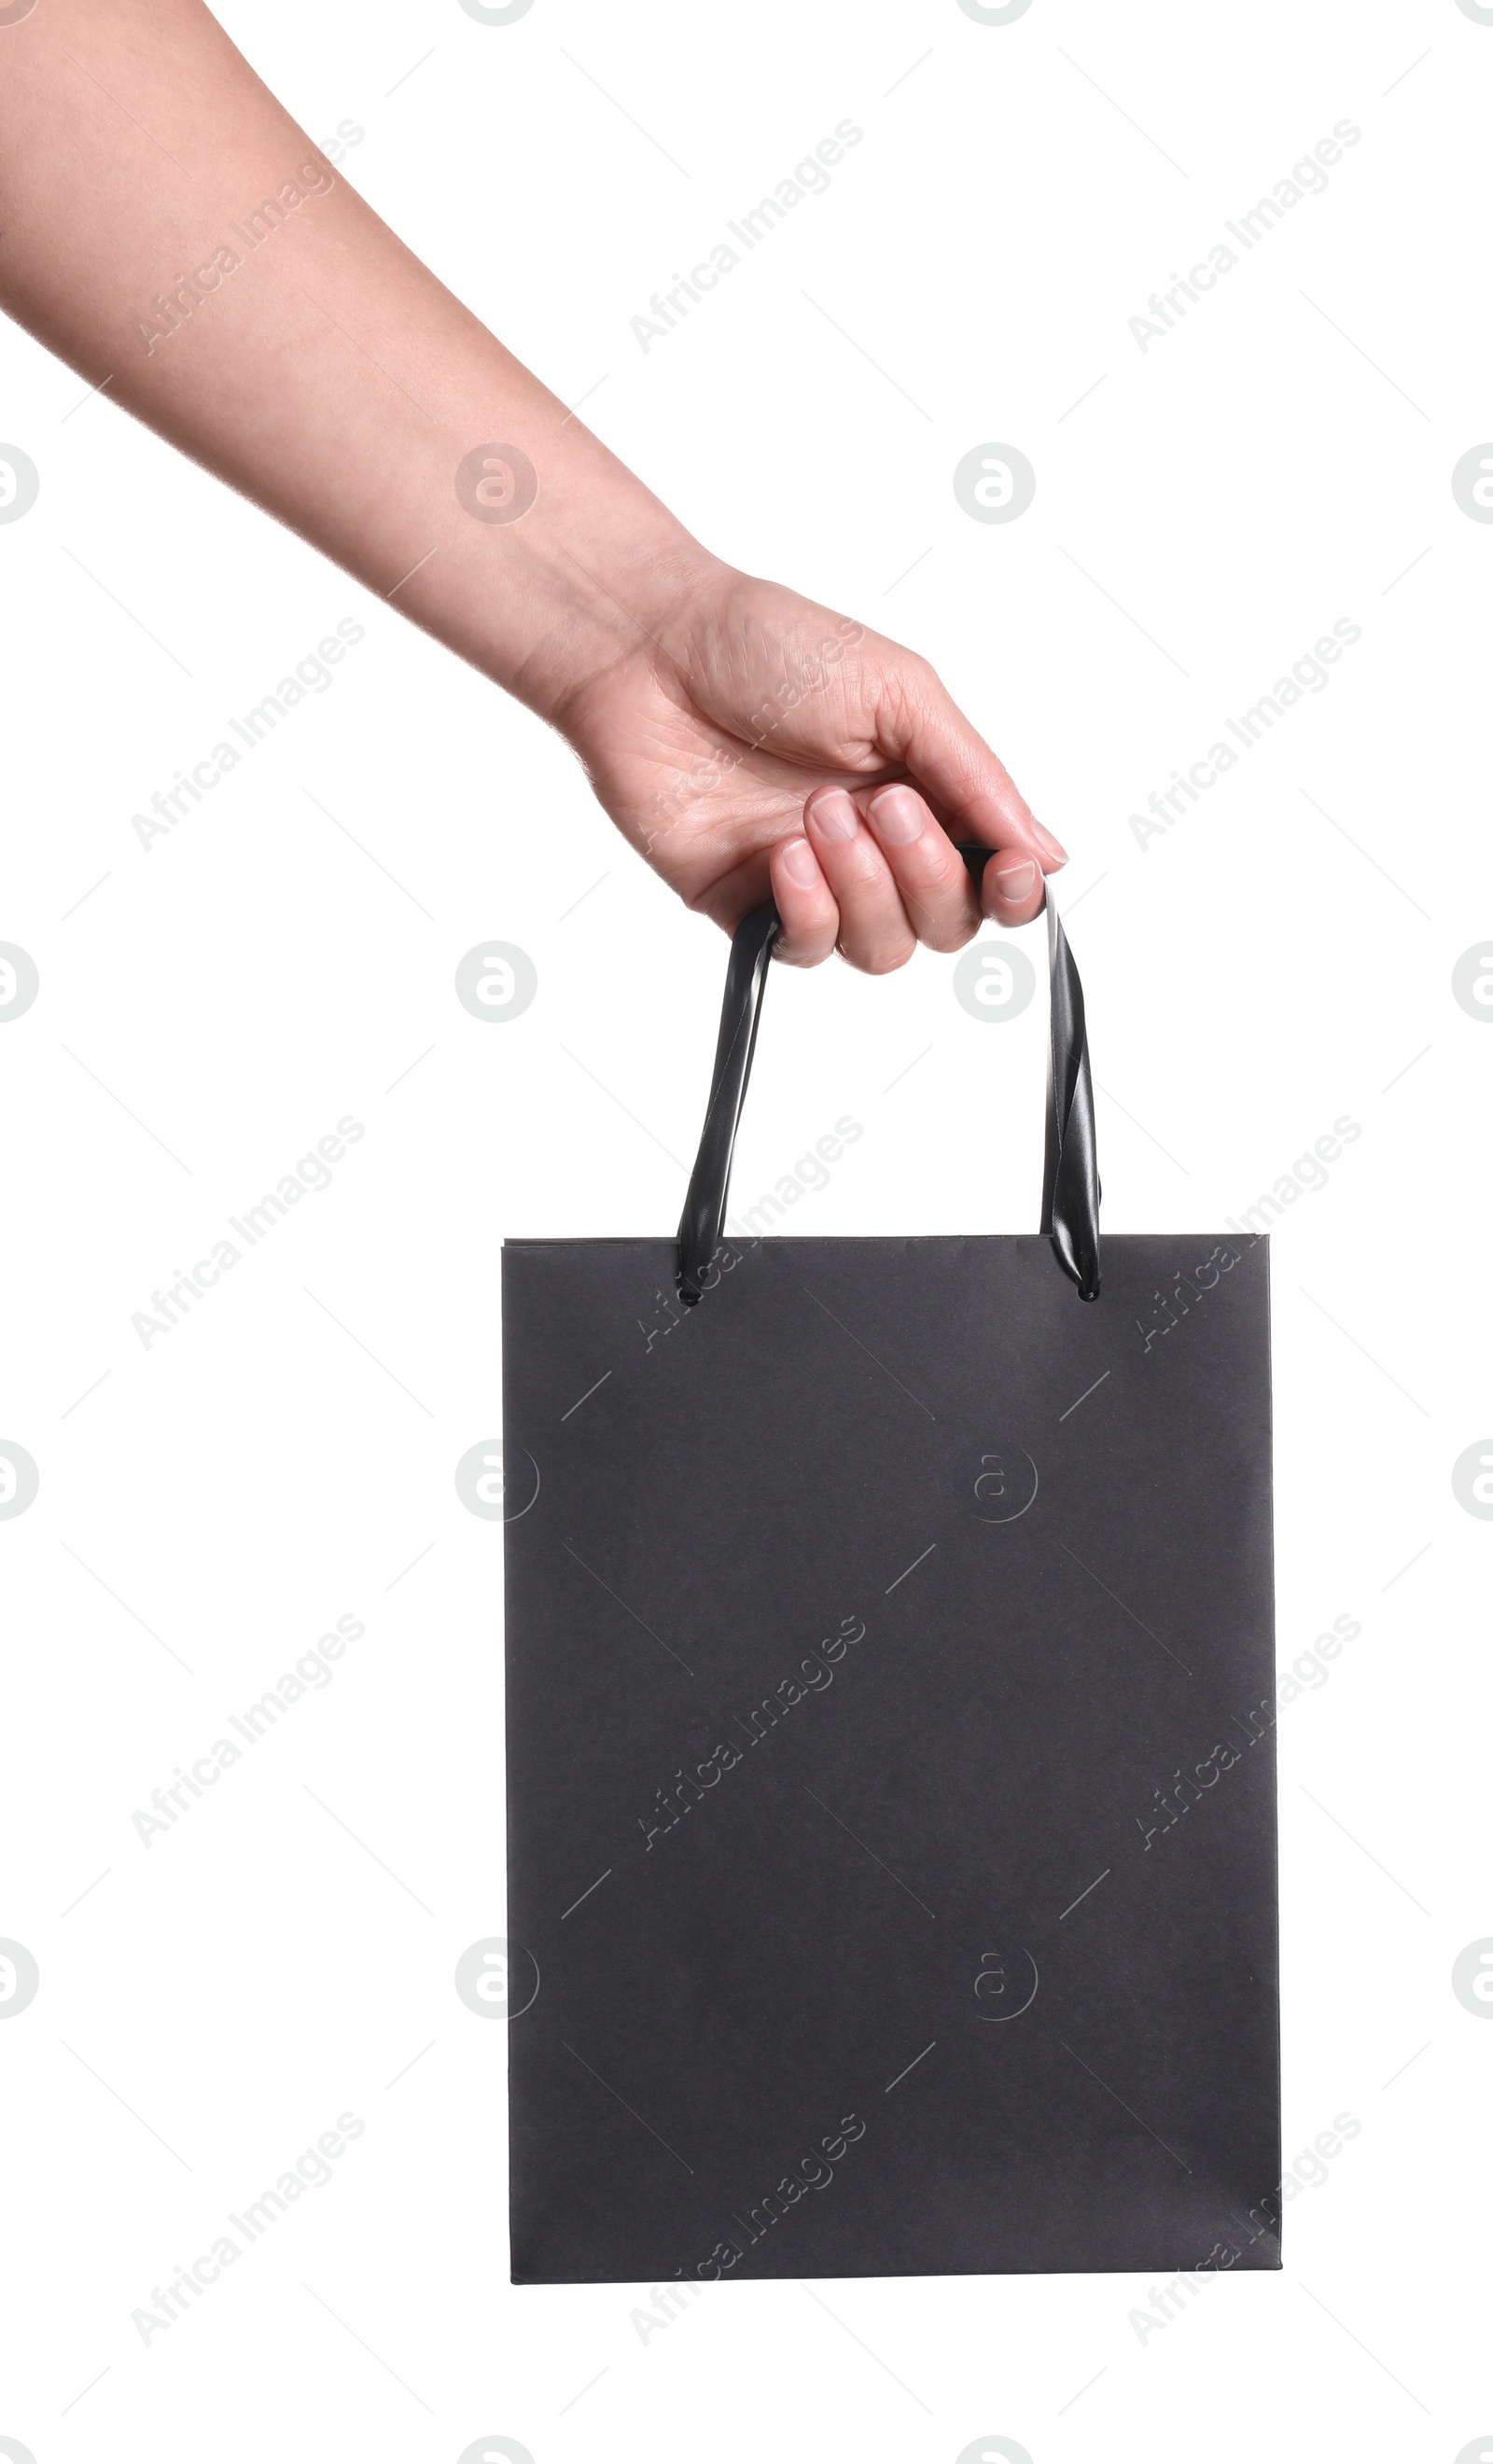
{"type": "Point", "coordinates": [890, 1787]}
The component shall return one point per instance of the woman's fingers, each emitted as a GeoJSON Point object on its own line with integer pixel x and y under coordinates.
{"type": "Point", "coordinates": [875, 874]}
{"type": "Point", "coordinates": [893, 873]}
{"type": "Point", "coordinates": [874, 931]}
{"type": "Point", "coordinates": [810, 920]}
{"type": "Point", "coordinates": [926, 867]}
{"type": "Point", "coordinates": [874, 883]}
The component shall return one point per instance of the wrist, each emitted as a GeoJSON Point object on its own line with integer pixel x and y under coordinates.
{"type": "Point", "coordinates": [555, 563]}
{"type": "Point", "coordinates": [604, 583]}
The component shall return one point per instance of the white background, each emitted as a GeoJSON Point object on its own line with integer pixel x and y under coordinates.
{"type": "Point", "coordinates": [1283, 956]}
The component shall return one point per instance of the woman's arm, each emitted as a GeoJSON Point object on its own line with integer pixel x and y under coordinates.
{"type": "Point", "coordinates": [169, 231]}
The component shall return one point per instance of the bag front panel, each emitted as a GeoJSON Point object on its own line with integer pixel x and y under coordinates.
{"type": "Point", "coordinates": [890, 1691]}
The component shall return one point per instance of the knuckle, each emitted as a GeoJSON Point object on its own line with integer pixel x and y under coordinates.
{"type": "Point", "coordinates": [806, 950]}
{"type": "Point", "coordinates": [885, 957]}
{"type": "Point", "coordinates": [933, 861]}
{"type": "Point", "coordinates": [952, 936]}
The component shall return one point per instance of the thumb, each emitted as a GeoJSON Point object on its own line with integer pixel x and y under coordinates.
{"type": "Point", "coordinates": [955, 767]}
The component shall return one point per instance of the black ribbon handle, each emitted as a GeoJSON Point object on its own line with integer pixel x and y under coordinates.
{"type": "Point", "coordinates": [1070, 1177]}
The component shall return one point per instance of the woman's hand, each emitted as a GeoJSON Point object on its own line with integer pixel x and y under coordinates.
{"type": "Point", "coordinates": [756, 745]}
{"type": "Point", "coordinates": [743, 738]}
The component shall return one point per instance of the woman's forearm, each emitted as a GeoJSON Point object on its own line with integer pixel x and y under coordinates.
{"type": "Point", "coordinates": [172, 233]}
{"type": "Point", "coordinates": [167, 229]}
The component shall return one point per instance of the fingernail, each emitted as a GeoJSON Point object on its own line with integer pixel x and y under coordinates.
{"type": "Point", "coordinates": [896, 816]}
{"type": "Point", "coordinates": [1016, 881]}
{"type": "Point", "coordinates": [833, 815]}
{"type": "Point", "coordinates": [1049, 844]}
{"type": "Point", "coordinates": [798, 862]}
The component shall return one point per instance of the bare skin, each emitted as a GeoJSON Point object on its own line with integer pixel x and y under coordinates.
{"type": "Point", "coordinates": [169, 229]}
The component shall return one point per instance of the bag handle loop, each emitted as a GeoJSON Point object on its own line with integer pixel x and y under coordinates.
{"type": "Point", "coordinates": [1070, 1178]}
